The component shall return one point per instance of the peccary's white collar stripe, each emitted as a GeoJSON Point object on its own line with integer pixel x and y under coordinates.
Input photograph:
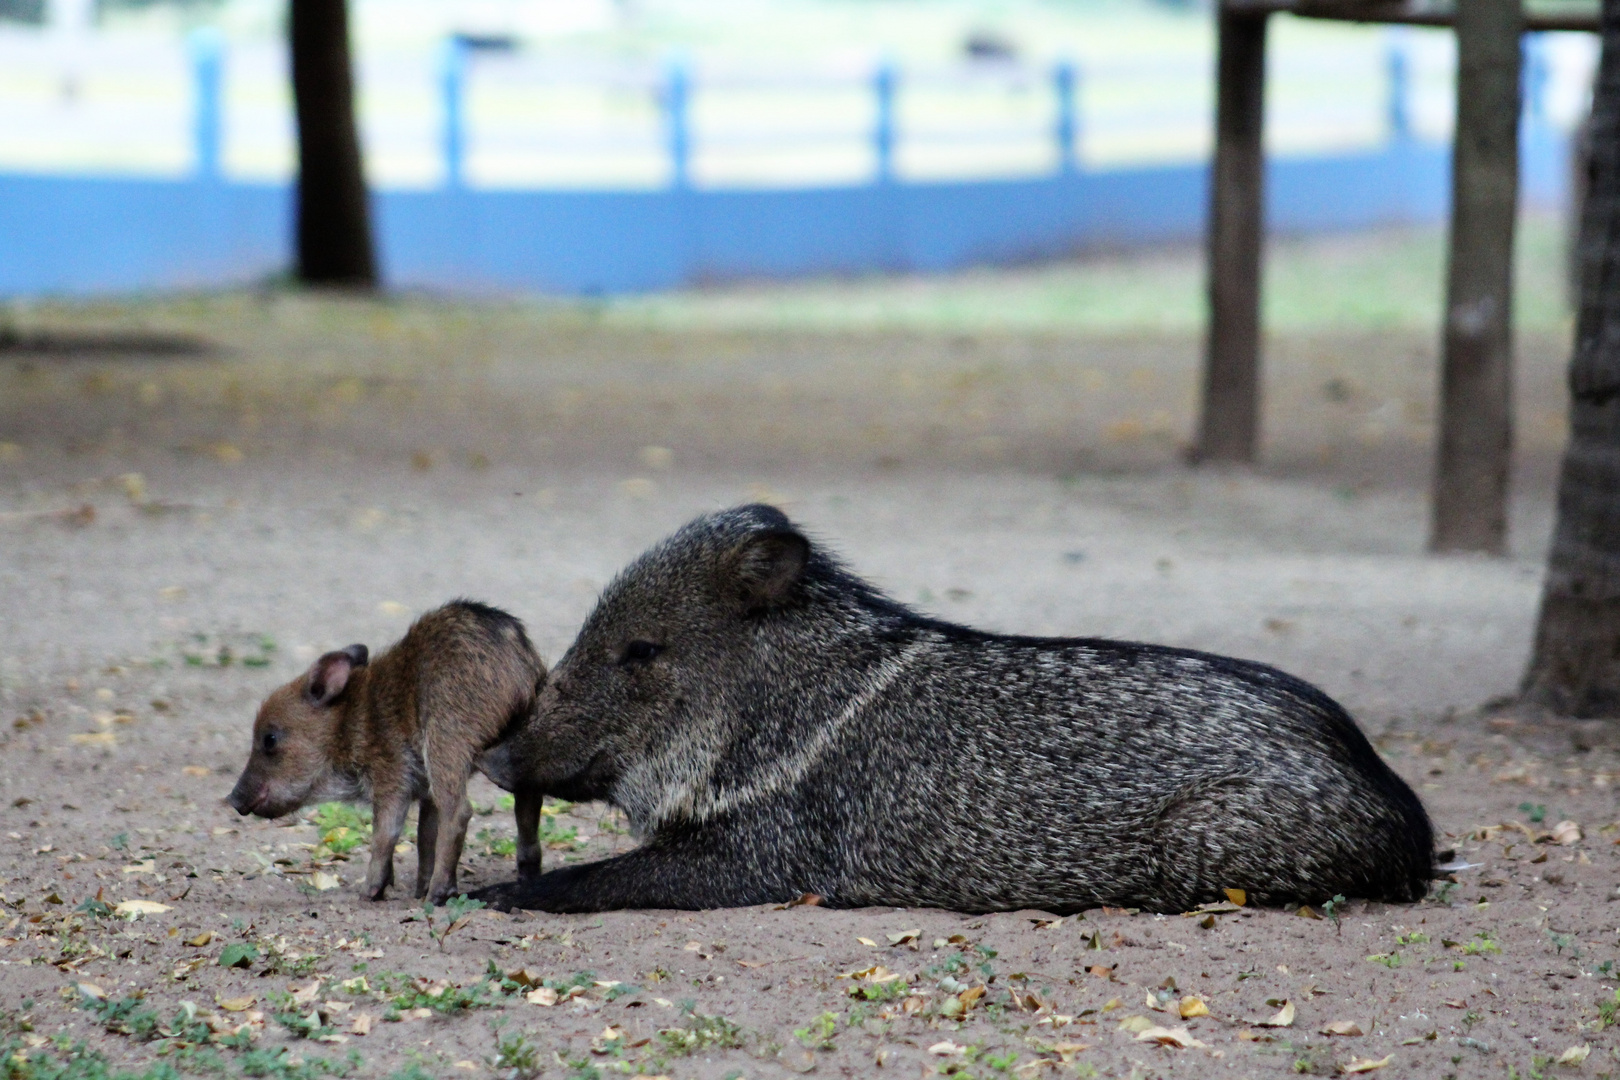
{"type": "Point", "coordinates": [687, 793]}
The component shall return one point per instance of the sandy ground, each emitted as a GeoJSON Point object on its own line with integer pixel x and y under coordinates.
{"type": "Point", "coordinates": [180, 532]}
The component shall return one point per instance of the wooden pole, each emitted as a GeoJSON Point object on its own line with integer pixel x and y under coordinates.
{"type": "Point", "coordinates": [1230, 426]}
{"type": "Point", "coordinates": [1476, 403]}
{"type": "Point", "coordinates": [334, 220]}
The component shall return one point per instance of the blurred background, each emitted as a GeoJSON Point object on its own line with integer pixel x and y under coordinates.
{"type": "Point", "coordinates": [927, 272]}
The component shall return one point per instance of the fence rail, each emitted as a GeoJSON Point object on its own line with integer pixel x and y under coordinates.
{"type": "Point", "coordinates": [470, 116]}
{"type": "Point", "coordinates": [155, 164]}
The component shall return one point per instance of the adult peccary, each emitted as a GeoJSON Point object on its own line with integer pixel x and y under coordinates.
{"type": "Point", "coordinates": [407, 726]}
{"type": "Point", "coordinates": [774, 726]}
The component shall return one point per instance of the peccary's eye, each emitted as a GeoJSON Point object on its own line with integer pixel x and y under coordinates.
{"type": "Point", "coordinates": [639, 652]}
{"type": "Point", "coordinates": [269, 742]}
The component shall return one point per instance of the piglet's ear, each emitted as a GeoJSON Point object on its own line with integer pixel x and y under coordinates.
{"type": "Point", "coordinates": [764, 570]}
{"type": "Point", "coordinates": [329, 676]}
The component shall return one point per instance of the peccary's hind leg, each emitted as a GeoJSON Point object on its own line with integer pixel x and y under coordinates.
{"type": "Point", "coordinates": [1278, 842]}
{"type": "Point", "coordinates": [526, 809]}
{"type": "Point", "coordinates": [427, 843]}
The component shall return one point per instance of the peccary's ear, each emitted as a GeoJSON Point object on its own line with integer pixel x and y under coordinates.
{"type": "Point", "coordinates": [329, 676]}
{"type": "Point", "coordinates": [763, 570]}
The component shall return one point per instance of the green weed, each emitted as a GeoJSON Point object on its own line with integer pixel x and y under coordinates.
{"type": "Point", "coordinates": [818, 1034]}
{"type": "Point", "coordinates": [699, 1032]}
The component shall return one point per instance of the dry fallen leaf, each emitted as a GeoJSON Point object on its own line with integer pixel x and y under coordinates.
{"type": "Point", "coordinates": [1284, 1017]}
{"type": "Point", "coordinates": [1566, 833]}
{"type": "Point", "coordinates": [945, 1049]}
{"type": "Point", "coordinates": [1574, 1055]}
{"type": "Point", "coordinates": [1192, 1006]}
{"type": "Point", "coordinates": [1136, 1024]}
{"type": "Point", "coordinates": [1239, 897]}
{"type": "Point", "coordinates": [307, 994]}
{"type": "Point", "coordinates": [1307, 912]}
{"type": "Point", "coordinates": [544, 996]}
{"type": "Point", "coordinates": [1178, 1036]}
{"type": "Point", "coordinates": [201, 939]}
{"type": "Point", "coordinates": [905, 936]}
{"type": "Point", "coordinates": [140, 907]}
{"type": "Point", "coordinates": [361, 1025]}
{"type": "Point", "coordinates": [90, 989]}
{"type": "Point", "coordinates": [94, 738]}
{"type": "Point", "coordinates": [868, 942]}
{"type": "Point", "coordinates": [322, 881]}
{"type": "Point", "coordinates": [1361, 1065]}
{"type": "Point", "coordinates": [1342, 1027]}
{"type": "Point", "coordinates": [196, 770]}
{"type": "Point", "coordinates": [145, 866]}
{"type": "Point", "coordinates": [238, 1004]}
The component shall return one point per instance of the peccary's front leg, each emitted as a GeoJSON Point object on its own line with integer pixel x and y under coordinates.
{"type": "Point", "coordinates": [526, 809]}
{"type": "Point", "coordinates": [388, 810]}
{"type": "Point", "coordinates": [679, 875]}
{"type": "Point", "coordinates": [427, 843]}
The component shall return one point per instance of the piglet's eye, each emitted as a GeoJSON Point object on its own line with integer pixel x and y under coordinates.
{"type": "Point", "coordinates": [639, 652]}
{"type": "Point", "coordinates": [269, 741]}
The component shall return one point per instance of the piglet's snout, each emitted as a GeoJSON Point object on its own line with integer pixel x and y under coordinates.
{"type": "Point", "coordinates": [245, 796]}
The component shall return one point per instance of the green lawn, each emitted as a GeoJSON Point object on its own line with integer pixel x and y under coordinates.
{"type": "Point", "coordinates": [1390, 279]}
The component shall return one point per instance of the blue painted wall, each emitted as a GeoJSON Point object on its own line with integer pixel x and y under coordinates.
{"type": "Point", "coordinates": [77, 235]}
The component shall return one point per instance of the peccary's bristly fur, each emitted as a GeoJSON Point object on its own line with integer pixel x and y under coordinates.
{"type": "Point", "coordinates": [772, 726]}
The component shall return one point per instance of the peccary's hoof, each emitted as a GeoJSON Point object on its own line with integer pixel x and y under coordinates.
{"type": "Point", "coordinates": [528, 871]}
{"type": "Point", "coordinates": [502, 897]}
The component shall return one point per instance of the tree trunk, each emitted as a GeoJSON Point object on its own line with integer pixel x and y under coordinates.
{"type": "Point", "coordinates": [1229, 427]}
{"type": "Point", "coordinates": [1476, 402]}
{"type": "Point", "coordinates": [334, 224]}
{"type": "Point", "coordinates": [1576, 666]}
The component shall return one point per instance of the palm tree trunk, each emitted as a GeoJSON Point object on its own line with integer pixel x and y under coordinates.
{"type": "Point", "coordinates": [1575, 669]}
{"type": "Point", "coordinates": [334, 223]}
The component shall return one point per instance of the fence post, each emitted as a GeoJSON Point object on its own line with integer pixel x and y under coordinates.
{"type": "Point", "coordinates": [883, 87]}
{"type": "Point", "coordinates": [453, 93]}
{"type": "Point", "coordinates": [1536, 78]}
{"type": "Point", "coordinates": [677, 118]}
{"type": "Point", "coordinates": [1400, 89]}
{"type": "Point", "coordinates": [207, 73]}
{"type": "Point", "coordinates": [1065, 84]}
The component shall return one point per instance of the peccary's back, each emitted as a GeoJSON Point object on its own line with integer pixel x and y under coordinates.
{"type": "Point", "coordinates": [1081, 772]}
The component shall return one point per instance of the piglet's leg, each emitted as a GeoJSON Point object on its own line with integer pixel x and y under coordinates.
{"type": "Point", "coordinates": [451, 795]}
{"type": "Point", "coordinates": [388, 810]}
{"type": "Point", "coordinates": [427, 843]}
{"type": "Point", "coordinates": [527, 811]}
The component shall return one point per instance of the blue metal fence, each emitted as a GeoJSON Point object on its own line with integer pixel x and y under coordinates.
{"type": "Point", "coordinates": [78, 235]}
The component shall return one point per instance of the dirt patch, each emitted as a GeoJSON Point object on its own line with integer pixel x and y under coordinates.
{"type": "Point", "coordinates": [232, 534]}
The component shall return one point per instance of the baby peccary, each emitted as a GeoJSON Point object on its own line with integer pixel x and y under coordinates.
{"type": "Point", "coordinates": [774, 726]}
{"type": "Point", "coordinates": [411, 724]}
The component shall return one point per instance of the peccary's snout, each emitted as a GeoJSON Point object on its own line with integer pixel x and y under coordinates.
{"type": "Point", "coordinates": [245, 795]}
